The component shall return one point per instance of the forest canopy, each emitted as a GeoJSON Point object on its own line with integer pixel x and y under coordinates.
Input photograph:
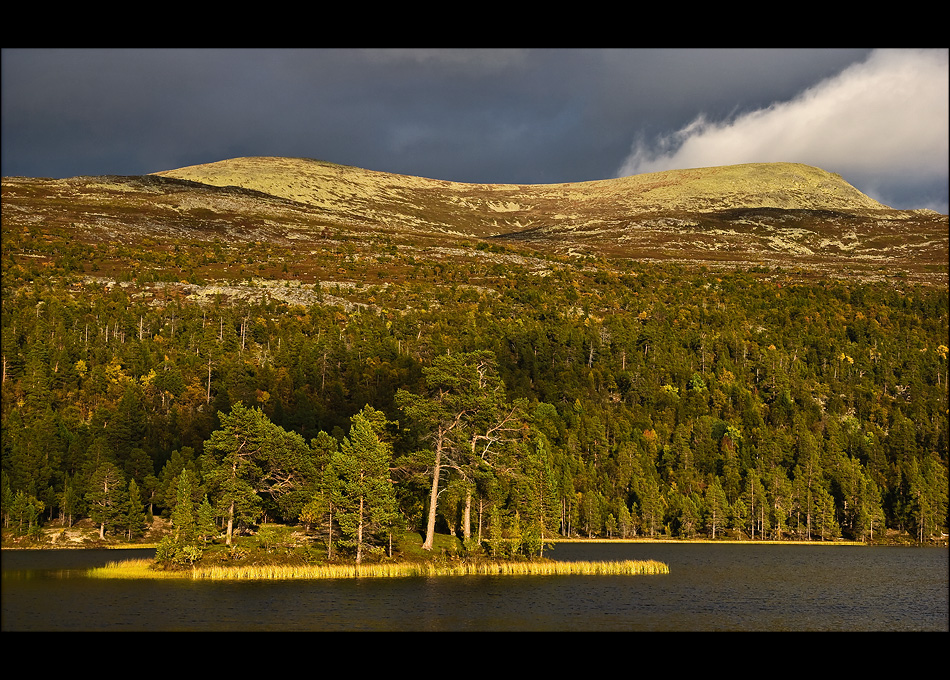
{"type": "Point", "coordinates": [601, 400]}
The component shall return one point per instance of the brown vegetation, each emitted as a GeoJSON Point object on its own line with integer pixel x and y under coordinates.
{"type": "Point", "coordinates": [306, 221]}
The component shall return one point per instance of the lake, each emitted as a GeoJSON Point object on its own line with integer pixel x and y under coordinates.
{"type": "Point", "coordinates": [710, 587]}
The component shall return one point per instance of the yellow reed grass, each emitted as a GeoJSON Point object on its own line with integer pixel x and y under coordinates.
{"type": "Point", "coordinates": [135, 569]}
{"type": "Point", "coordinates": [408, 569]}
{"type": "Point", "coordinates": [142, 569]}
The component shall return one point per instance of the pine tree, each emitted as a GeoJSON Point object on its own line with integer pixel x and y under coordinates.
{"type": "Point", "coordinates": [870, 515]}
{"type": "Point", "coordinates": [717, 507]}
{"type": "Point", "coordinates": [540, 504]}
{"type": "Point", "coordinates": [69, 501]}
{"type": "Point", "coordinates": [182, 545]}
{"type": "Point", "coordinates": [651, 504]}
{"type": "Point", "coordinates": [463, 410]}
{"type": "Point", "coordinates": [364, 494]}
{"type": "Point", "coordinates": [106, 496]}
{"type": "Point", "coordinates": [135, 512]}
{"type": "Point", "coordinates": [25, 510]}
{"type": "Point", "coordinates": [625, 522]}
{"type": "Point", "coordinates": [824, 513]}
{"type": "Point", "coordinates": [495, 532]}
{"type": "Point", "coordinates": [184, 515]}
{"type": "Point", "coordinates": [249, 455]}
{"type": "Point", "coordinates": [206, 521]}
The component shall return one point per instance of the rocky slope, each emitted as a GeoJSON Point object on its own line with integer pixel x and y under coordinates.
{"type": "Point", "coordinates": [337, 187]}
{"type": "Point", "coordinates": [775, 214]}
{"type": "Point", "coordinates": [768, 212]}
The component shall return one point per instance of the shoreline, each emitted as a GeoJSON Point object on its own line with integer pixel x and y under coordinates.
{"type": "Point", "coordinates": [690, 541]}
{"type": "Point", "coordinates": [646, 541]}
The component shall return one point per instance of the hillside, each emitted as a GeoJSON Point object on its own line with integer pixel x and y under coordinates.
{"type": "Point", "coordinates": [753, 351]}
{"type": "Point", "coordinates": [776, 214]}
{"type": "Point", "coordinates": [339, 188]}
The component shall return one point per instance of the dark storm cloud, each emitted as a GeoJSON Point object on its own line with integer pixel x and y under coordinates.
{"type": "Point", "coordinates": [505, 116]}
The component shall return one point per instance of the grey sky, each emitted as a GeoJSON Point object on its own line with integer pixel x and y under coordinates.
{"type": "Point", "coordinates": [879, 118]}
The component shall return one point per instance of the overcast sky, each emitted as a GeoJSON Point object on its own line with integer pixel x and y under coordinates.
{"type": "Point", "coordinates": [528, 116]}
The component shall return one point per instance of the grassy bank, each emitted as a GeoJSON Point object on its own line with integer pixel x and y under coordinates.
{"type": "Point", "coordinates": [717, 541]}
{"type": "Point", "coordinates": [137, 569]}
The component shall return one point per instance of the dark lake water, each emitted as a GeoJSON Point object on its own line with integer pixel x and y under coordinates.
{"type": "Point", "coordinates": [710, 588]}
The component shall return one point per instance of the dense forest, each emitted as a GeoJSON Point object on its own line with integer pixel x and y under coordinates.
{"type": "Point", "coordinates": [602, 399]}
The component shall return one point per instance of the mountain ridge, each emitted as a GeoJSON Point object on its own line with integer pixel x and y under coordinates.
{"type": "Point", "coordinates": [774, 214]}
{"type": "Point", "coordinates": [751, 185]}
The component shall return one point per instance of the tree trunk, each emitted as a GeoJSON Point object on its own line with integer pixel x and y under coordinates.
{"type": "Point", "coordinates": [359, 535]}
{"type": "Point", "coordinates": [330, 534]}
{"type": "Point", "coordinates": [230, 522]}
{"type": "Point", "coordinates": [467, 517]}
{"type": "Point", "coordinates": [433, 495]}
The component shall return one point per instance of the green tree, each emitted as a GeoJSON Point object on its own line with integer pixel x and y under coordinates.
{"type": "Point", "coordinates": [183, 544]}
{"type": "Point", "coordinates": [106, 496]}
{"type": "Point", "coordinates": [320, 505]}
{"type": "Point", "coordinates": [541, 502]}
{"type": "Point", "coordinates": [70, 500]}
{"type": "Point", "coordinates": [592, 513]}
{"type": "Point", "coordinates": [651, 504]}
{"type": "Point", "coordinates": [206, 521]}
{"type": "Point", "coordinates": [249, 456]}
{"type": "Point", "coordinates": [454, 414]}
{"type": "Point", "coordinates": [496, 541]}
{"type": "Point", "coordinates": [927, 494]}
{"type": "Point", "coordinates": [870, 515]}
{"type": "Point", "coordinates": [625, 523]}
{"type": "Point", "coordinates": [184, 514]}
{"type": "Point", "coordinates": [25, 511]}
{"type": "Point", "coordinates": [364, 494]}
{"type": "Point", "coordinates": [824, 513]}
{"type": "Point", "coordinates": [135, 512]}
{"type": "Point", "coordinates": [754, 499]}
{"type": "Point", "coordinates": [716, 506]}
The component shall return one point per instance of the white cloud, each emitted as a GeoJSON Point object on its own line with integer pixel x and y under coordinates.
{"type": "Point", "coordinates": [884, 117]}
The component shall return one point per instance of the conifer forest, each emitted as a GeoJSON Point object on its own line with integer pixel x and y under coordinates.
{"type": "Point", "coordinates": [476, 396]}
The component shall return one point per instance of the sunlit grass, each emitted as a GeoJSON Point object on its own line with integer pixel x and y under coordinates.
{"type": "Point", "coordinates": [429, 569]}
{"type": "Point", "coordinates": [144, 569]}
{"type": "Point", "coordinates": [134, 569]}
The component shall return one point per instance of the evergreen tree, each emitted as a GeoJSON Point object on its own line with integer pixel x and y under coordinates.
{"type": "Point", "coordinates": [184, 514]}
{"type": "Point", "coordinates": [457, 413]}
{"type": "Point", "coordinates": [592, 518]}
{"type": "Point", "coordinates": [716, 506]}
{"type": "Point", "coordinates": [495, 532]}
{"type": "Point", "coordinates": [625, 523]}
{"type": "Point", "coordinates": [106, 496]}
{"type": "Point", "coordinates": [135, 512]}
{"type": "Point", "coordinates": [651, 504]}
{"type": "Point", "coordinates": [540, 504]}
{"type": "Point", "coordinates": [363, 492]}
{"type": "Point", "coordinates": [182, 545]}
{"type": "Point", "coordinates": [249, 455]}
{"type": "Point", "coordinates": [739, 515]}
{"type": "Point", "coordinates": [824, 513]}
{"type": "Point", "coordinates": [870, 515]}
{"type": "Point", "coordinates": [755, 500]}
{"type": "Point", "coordinates": [206, 521]}
{"type": "Point", "coordinates": [24, 513]}
{"type": "Point", "coordinates": [70, 501]}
